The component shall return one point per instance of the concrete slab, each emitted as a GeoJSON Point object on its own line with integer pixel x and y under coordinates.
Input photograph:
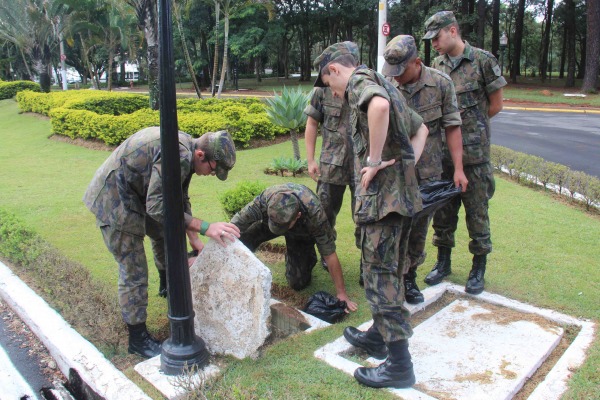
{"type": "Point", "coordinates": [516, 339]}
{"type": "Point", "coordinates": [472, 350]}
{"type": "Point", "coordinates": [174, 387]}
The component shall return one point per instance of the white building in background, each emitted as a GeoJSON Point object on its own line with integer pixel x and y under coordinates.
{"type": "Point", "coordinates": [131, 74]}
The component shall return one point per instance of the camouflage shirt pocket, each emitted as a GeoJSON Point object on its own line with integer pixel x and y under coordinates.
{"type": "Point", "coordinates": [430, 112]}
{"type": "Point", "coordinates": [331, 116]}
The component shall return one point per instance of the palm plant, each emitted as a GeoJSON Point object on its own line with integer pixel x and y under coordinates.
{"type": "Point", "coordinates": [287, 110]}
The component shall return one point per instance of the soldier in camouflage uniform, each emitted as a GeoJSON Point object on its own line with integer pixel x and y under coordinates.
{"type": "Point", "coordinates": [295, 212]}
{"type": "Point", "coordinates": [388, 139]}
{"type": "Point", "coordinates": [430, 93]}
{"type": "Point", "coordinates": [335, 171]}
{"type": "Point", "coordinates": [126, 197]}
{"type": "Point", "coordinates": [478, 82]}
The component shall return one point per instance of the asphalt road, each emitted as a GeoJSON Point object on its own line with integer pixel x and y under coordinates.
{"type": "Point", "coordinates": [571, 139]}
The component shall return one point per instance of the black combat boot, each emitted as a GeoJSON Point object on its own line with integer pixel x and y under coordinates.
{"type": "Point", "coordinates": [371, 341]}
{"type": "Point", "coordinates": [162, 288]}
{"type": "Point", "coordinates": [141, 343]}
{"type": "Point", "coordinates": [397, 371]}
{"type": "Point", "coordinates": [476, 282]}
{"type": "Point", "coordinates": [412, 294]}
{"type": "Point", "coordinates": [442, 267]}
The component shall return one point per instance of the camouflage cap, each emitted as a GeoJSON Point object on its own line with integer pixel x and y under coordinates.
{"type": "Point", "coordinates": [282, 208]}
{"type": "Point", "coordinates": [220, 148]}
{"type": "Point", "coordinates": [398, 52]}
{"type": "Point", "coordinates": [438, 21]}
{"type": "Point", "coordinates": [331, 53]}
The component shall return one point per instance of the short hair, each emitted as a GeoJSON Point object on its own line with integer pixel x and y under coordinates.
{"type": "Point", "coordinates": [454, 24]}
{"type": "Point", "coordinates": [347, 60]}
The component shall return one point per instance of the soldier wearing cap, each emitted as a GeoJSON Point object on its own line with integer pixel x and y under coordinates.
{"type": "Point", "coordinates": [295, 212]}
{"type": "Point", "coordinates": [478, 82]}
{"type": "Point", "coordinates": [126, 196]}
{"type": "Point", "coordinates": [431, 94]}
{"type": "Point", "coordinates": [388, 138]}
{"type": "Point", "coordinates": [335, 169]}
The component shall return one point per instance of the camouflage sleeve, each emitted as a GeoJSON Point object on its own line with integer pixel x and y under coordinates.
{"type": "Point", "coordinates": [492, 75]}
{"type": "Point", "coordinates": [315, 108]}
{"type": "Point", "coordinates": [365, 90]}
{"type": "Point", "coordinates": [415, 121]}
{"type": "Point", "coordinates": [321, 230]}
{"type": "Point", "coordinates": [251, 213]}
{"type": "Point", "coordinates": [450, 112]}
{"type": "Point", "coordinates": [154, 197]}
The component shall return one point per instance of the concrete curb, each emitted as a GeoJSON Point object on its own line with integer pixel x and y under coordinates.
{"type": "Point", "coordinates": [74, 355]}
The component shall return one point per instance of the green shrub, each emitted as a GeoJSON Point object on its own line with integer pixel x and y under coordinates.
{"type": "Point", "coordinates": [8, 90]}
{"type": "Point", "coordinates": [235, 199]}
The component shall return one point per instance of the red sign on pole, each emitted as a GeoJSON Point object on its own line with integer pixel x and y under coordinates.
{"type": "Point", "coordinates": [63, 57]}
{"type": "Point", "coordinates": [385, 29]}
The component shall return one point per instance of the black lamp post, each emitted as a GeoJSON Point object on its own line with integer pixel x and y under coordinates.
{"type": "Point", "coordinates": [503, 44]}
{"type": "Point", "coordinates": [183, 348]}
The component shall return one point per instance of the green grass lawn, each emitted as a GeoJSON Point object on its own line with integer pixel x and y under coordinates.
{"type": "Point", "coordinates": [545, 253]}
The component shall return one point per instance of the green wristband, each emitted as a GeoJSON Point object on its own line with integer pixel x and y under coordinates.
{"type": "Point", "coordinates": [204, 227]}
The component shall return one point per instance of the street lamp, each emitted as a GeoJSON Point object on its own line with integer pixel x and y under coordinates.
{"type": "Point", "coordinates": [503, 44]}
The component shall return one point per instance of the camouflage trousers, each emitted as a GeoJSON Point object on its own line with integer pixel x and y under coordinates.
{"type": "Point", "coordinates": [480, 190]}
{"type": "Point", "coordinates": [418, 236]}
{"type": "Point", "coordinates": [331, 197]}
{"type": "Point", "coordinates": [128, 251]}
{"type": "Point", "coordinates": [300, 256]}
{"type": "Point", "coordinates": [383, 255]}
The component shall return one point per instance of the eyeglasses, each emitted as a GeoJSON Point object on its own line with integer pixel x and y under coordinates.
{"type": "Point", "coordinates": [212, 169]}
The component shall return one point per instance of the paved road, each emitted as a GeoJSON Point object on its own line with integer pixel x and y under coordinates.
{"type": "Point", "coordinates": [571, 139]}
{"type": "Point", "coordinates": [20, 372]}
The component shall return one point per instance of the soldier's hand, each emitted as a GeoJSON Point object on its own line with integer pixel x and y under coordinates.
{"type": "Point", "coordinates": [460, 179]}
{"type": "Point", "coordinates": [368, 173]}
{"type": "Point", "coordinates": [313, 170]}
{"type": "Point", "coordinates": [222, 231]}
{"type": "Point", "coordinates": [350, 305]}
{"type": "Point", "coordinates": [196, 243]}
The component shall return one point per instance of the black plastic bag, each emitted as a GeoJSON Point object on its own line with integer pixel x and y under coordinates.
{"type": "Point", "coordinates": [435, 195]}
{"type": "Point", "coordinates": [326, 307]}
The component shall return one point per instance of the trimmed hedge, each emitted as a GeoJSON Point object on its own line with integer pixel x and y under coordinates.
{"type": "Point", "coordinates": [112, 117]}
{"type": "Point", "coordinates": [526, 168]}
{"type": "Point", "coordinates": [8, 90]}
{"type": "Point", "coordinates": [243, 193]}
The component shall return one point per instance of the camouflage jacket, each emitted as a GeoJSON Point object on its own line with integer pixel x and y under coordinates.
{"type": "Point", "coordinates": [313, 223]}
{"type": "Point", "coordinates": [128, 186]}
{"type": "Point", "coordinates": [336, 162]}
{"type": "Point", "coordinates": [434, 99]}
{"type": "Point", "coordinates": [476, 75]}
{"type": "Point", "coordinates": [395, 188]}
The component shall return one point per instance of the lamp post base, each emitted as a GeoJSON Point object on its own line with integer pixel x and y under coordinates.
{"type": "Point", "coordinates": [175, 358]}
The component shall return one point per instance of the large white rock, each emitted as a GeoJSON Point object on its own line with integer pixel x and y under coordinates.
{"type": "Point", "coordinates": [231, 290]}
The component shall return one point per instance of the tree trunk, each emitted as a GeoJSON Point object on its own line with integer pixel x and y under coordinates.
{"type": "Point", "coordinates": [427, 52]}
{"type": "Point", "coordinates": [496, 28]}
{"type": "Point", "coordinates": [571, 49]}
{"type": "Point", "coordinates": [295, 145]}
{"type": "Point", "coordinates": [186, 54]}
{"type": "Point", "coordinates": [481, 5]}
{"type": "Point", "coordinates": [592, 61]}
{"type": "Point", "coordinates": [546, 40]}
{"type": "Point", "coordinates": [150, 25]}
{"type": "Point", "coordinates": [111, 57]}
{"type": "Point", "coordinates": [216, 56]}
{"type": "Point", "coordinates": [563, 54]}
{"type": "Point", "coordinates": [225, 50]}
{"type": "Point", "coordinates": [517, 42]}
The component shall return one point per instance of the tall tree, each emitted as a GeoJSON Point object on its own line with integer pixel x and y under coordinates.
{"type": "Point", "coordinates": [546, 40]}
{"type": "Point", "coordinates": [481, 21]}
{"type": "Point", "coordinates": [186, 53]}
{"type": "Point", "coordinates": [571, 31]}
{"type": "Point", "coordinates": [517, 42]}
{"type": "Point", "coordinates": [592, 64]}
{"type": "Point", "coordinates": [147, 18]}
{"type": "Point", "coordinates": [496, 28]}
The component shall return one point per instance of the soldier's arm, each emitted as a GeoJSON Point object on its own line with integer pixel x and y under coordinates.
{"type": "Point", "coordinates": [335, 271]}
{"type": "Point", "coordinates": [418, 141]}
{"type": "Point", "coordinates": [310, 140]}
{"type": "Point", "coordinates": [378, 117]}
{"type": "Point", "coordinates": [495, 99]}
{"type": "Point", "coordinates": [248, 215]}
{"type": "Point", "coordinates": [455, 146]}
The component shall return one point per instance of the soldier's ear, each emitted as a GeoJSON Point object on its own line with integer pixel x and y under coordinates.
{"type": "Point", "coordinates": [200, 154]}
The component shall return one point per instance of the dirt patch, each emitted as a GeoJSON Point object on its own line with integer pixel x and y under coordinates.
{"type": "Point", "coordinates": [94, 144]}
{"type": "Point", "coordinates": [288, 296]}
